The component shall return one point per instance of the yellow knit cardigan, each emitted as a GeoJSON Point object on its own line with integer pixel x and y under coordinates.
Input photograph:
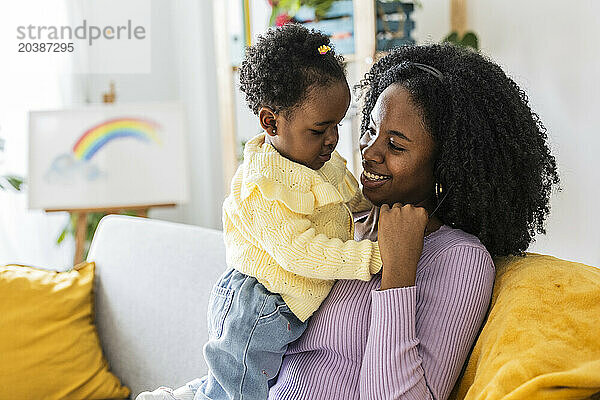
{"type": "Point", "coordinates": [291, 227]}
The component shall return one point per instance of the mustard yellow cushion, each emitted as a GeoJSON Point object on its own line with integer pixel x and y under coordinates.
{"type": "Point", "coordinates": [49, 347]}
{"type": "Point", "coordinates": [542, 336]}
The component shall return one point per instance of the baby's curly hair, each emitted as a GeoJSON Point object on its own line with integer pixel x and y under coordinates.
{"type": "Point", "coordinates": [492, 158]}
{"type": "Point", "coordinates": [280, 68]}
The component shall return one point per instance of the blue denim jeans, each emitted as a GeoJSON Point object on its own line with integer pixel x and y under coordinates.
{"type": "Point", "coordinates": [249, 331]}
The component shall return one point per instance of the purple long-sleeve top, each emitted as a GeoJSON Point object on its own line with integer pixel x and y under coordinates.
{"type": "Point", "coordinates": [404, 343]}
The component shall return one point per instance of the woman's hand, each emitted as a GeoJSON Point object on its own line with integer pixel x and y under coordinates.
{"type": "Point", "coordinates": [400, 233]}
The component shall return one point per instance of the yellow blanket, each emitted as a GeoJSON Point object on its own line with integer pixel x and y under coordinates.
{"type": "Point", "coordinates": [542, 336]}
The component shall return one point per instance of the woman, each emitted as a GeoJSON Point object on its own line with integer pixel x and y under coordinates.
{"type": "Point", "coordinates": [451, 145]}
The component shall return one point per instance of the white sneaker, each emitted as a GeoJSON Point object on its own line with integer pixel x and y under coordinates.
{"type": "Point", "coordinates": [165, 393]}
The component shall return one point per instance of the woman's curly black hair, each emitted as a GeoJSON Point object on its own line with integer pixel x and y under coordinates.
{"type": "Point", "coordinates": [280, 68]}
{"type": "Point", "coordinates": [492, 158]}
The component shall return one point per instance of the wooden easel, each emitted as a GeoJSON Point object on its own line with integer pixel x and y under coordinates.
{"type": "Point", "coordinates": [81, 214]}
{"type": "Point", "coordinates": [81, 224]}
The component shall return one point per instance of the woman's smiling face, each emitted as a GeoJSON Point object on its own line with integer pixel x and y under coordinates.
{"type": "Point", "coordinates": [398, 153]}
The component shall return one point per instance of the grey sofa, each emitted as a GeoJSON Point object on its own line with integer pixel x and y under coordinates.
{"type": "Point", "coordinates": [153, 282]}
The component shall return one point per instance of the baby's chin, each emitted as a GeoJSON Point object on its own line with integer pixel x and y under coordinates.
{"type": "Point", "coordinates": [314, 165]}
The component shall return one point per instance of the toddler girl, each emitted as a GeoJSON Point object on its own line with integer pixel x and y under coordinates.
{"type": "Point", "coordinates": [287, 222]}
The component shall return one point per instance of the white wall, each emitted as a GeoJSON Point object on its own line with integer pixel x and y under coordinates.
{"type": "Point", "coordinates": [551, 50]}
{"type": "Point", "coordinates": [192, 23]}
{"type": "Point", "coordinates": [182, 70]}
{"type": "Point", "coordinates": [29, 236]}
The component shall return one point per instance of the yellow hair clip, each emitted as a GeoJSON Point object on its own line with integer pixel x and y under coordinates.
{"type": "Point", "coordinates": [324, 49]}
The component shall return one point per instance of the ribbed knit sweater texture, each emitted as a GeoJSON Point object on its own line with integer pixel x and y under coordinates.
{"type": "Point", "coordinates": [404, 343]}
{"type": "Point", "coordinates": [292, 228]}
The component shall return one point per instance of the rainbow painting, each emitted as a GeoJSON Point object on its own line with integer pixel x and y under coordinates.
{"type": "Point", "coordinates": [99, 135]}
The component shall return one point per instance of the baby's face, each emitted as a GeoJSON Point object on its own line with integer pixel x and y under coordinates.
{"type": "Point", "coordinates": [308, 134]}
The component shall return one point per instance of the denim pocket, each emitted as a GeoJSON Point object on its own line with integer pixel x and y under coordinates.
{"type": "Point", "coordinates": [275, 308]}
{"type": "Point", "coordinates": [218, 308]}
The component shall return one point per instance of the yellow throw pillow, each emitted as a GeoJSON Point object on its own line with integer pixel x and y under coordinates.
{"type": "Point", "coordinates": [49, 347]}
{"type": "Point", "coordinates": [542, 337]}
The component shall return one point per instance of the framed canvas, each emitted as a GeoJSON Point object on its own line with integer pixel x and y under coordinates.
{"type": "Point", "coordinates": [110, 155]}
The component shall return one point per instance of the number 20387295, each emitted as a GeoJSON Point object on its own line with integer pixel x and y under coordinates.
{"type": "Point", "coordinates": [26, 47]}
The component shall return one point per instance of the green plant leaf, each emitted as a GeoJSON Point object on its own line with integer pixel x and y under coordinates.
{"type": "Point", "coordinates": [241, 151]}
{"type": "Point", "coordinates": [294, 8]}
{"type": "Point", "coordinates": [470, 40]}
{"type": "Point", "coordinates": [67, 230]}
{"type": "Point", "coordinates": [73, 225]}
{"type": "Point", "coordinates": [452, 37]}
{"type": "Point", "coordinates": [291, 7]}
{"type": "Point", "coordinates": [321, 7]}
{"type": "Point", "coordinates": [275, 11]}
{"type": "Point", "coordinates": [93, 219]}
{"type": "Point", "coordinates": [13, 180]}
{"type": "Point", "coordinates": [288, 4]}
{"type": "Point", "coordinates": [62, 235]}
